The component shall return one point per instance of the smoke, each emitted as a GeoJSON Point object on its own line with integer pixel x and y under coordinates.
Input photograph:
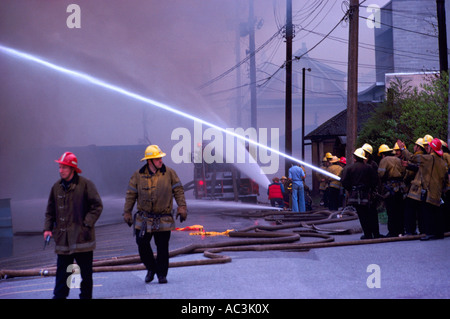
{"type": "Point", "coordinates": [153, 48]}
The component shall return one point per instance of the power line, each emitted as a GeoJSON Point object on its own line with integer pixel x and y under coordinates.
{"type": "Point", "coordinates": [369, 46]}
{"type": "Point", "coordinates": [298, 57]}
{"type": "Point", "coordinates": [399, 28]}
{"type": "Point", "coordinates": [326, 36]}
{"type": "Point", "coordinates": [250, 55]}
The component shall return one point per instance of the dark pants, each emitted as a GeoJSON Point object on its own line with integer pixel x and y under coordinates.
{"type": "Point", "coordinates": [433, 220]}
{"type": "Point", "coordinates": [368, 219]}
{"type": "Point", "coordinates": [395, 210]}
{"type": "Point", "coordinates": [413, 216]}
{"type": "Point", "coordinates": [334, 198]}
{"type": "Point", "coordinates": [446, 211]}
{"type": "Point", "coordinates": [63, 272]}
{"type": "Point", "coordinates": [278, 202]}
{"type": "Point", "coordinates": [160, 265]}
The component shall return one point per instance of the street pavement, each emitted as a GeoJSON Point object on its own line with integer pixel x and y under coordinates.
{"type": "Point", "coordinates": [393, 270]}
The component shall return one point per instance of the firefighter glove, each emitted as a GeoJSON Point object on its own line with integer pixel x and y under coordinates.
{"type": "Point", "coordinates": [128, 218]}
{"type": "Point", "coordinates": [182, 212]}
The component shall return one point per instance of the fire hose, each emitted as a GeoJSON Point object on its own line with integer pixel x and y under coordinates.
{"type": "Point", "coordinates": [257, 238]}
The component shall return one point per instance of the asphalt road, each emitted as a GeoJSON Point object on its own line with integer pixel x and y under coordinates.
{"type": "Point", "coordinates": [393, 270]}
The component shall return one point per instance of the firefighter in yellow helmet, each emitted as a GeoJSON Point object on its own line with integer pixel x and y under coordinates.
{"type": "Point", "coordinates": [375, 200]}
{"type": "Point", "coordinates": [413, 214]}
{"type": "Point", "coordinates": [153, 188]}
{"type": "Point", "coordinates": [359, 180]}
{"type": "Point", "coordinates": [323, 184]}
{"type": "Point", "coordinates": [391, 173]}
{"type": "Point", "coordinates": [334, 186]}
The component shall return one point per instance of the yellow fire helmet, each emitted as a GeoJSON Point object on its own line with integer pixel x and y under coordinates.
{"type": "Point", "coordinates": [396, 146]}
{"type": "Point", "coordinates": [328, 155]}
{"type": "Point", "coordinates": [384, 148]}
{"type": "Point", "coordinates": [427, 139]}
{"type": "Point", "coordinates": [419, 142]}
{"type": "Point", "coordinates": [334, 159]}
{"type": "Point", "coordinates": [153, 151]}
{"type": "Point", "coordinates": [360, 153]}
{"type": "Point", "coordinates": [368, 148]}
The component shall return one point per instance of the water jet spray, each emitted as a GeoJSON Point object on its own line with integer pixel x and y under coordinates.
{"type": "Point", "coordinates": [114, 88]}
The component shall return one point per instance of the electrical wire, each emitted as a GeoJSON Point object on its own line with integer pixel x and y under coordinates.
{"type": "Point", "coordinates": [217, 78]}
{"type": "Point", "coordinates": [400, 28]}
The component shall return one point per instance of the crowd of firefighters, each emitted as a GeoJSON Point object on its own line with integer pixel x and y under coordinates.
{"type": "Point", "coordinates": [413, 188]}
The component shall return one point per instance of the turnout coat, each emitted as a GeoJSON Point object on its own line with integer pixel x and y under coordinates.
{"type": "Point", "coordinates": [431, 178]}
{"type": "Point", "coordinates": [71, 215]}
{"type": "Point", "coordinates": [154, 193]}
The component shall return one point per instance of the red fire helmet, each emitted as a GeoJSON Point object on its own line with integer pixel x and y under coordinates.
{"type": "Point", "coordinates": [436, 145]}
{"type": "Point", "coordinates": [69, 159]}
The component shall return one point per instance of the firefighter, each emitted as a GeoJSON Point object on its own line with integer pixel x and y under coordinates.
{"type": "Point", "coordinates": [323, 185]}
{"type": "Point", "coordinates": [153, 187]}
{"type": "Point", "coordinates": [275, 192]}
{"type": "Point", "coordinates": [397, 151]}
{"type": "Point", "coordinates": [428, 186]}
{"type": "Point", "coordinates": [391, 173]}
{"type": "Point", "coordinates": [375, 200]}
{"type": "Point", "coordinates": [412, 213]}
{"type": "Point", "coordinates": [358, 180]}
{"type": "Point", "coordinates": [446, 196]}
{"type": "Point", "coordinates": [334, 185]}
{"type": "Point", "coordinates": [73, 208]}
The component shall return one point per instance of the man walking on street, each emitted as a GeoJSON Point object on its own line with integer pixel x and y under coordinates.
{"type": "Point", "coordinates": [73, 208]}
{"type": "Point", "coordinates": [153, 187]}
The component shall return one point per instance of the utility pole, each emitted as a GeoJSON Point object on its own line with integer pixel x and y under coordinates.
{"type": "Point", "coordinates": [251, 28]}
{"type": "Point", "coordinates": [303, 111]}
{"type": "Point", "coordinates": [288, 111]}
{"type": "Point", "coordinates": [352, 78]}
{"type": "Point", "coordinates": [443, 52]}
{"type": "Point", "coordinates": [237, 49]}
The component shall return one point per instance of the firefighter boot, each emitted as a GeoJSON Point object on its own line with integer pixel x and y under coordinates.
{"type": "Point", "coordinates": [150, 276]}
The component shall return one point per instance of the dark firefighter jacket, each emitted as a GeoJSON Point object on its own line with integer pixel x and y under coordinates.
{"type": "Point", "coordinates": [359, 179]}
{"type": "Point", "coordinates": [154, 195]}
{"type": "Point", "coordinates": [71, 215]}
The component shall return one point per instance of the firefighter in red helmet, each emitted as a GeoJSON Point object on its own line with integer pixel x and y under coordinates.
{"type": "Point", "coordinates": [73, 208]}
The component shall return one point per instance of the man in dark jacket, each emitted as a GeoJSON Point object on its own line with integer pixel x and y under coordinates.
{"type": "Point", "coordinates": [359, 179]}
{"type": "Point", "coordinates": [74, 206]}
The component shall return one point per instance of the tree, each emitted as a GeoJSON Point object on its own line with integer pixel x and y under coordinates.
{"type": "Point", "coordinates": [409, 113]}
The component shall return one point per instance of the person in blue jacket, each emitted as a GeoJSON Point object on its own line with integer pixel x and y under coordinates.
{"type": "Point", "coordinates": [297, 175]}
